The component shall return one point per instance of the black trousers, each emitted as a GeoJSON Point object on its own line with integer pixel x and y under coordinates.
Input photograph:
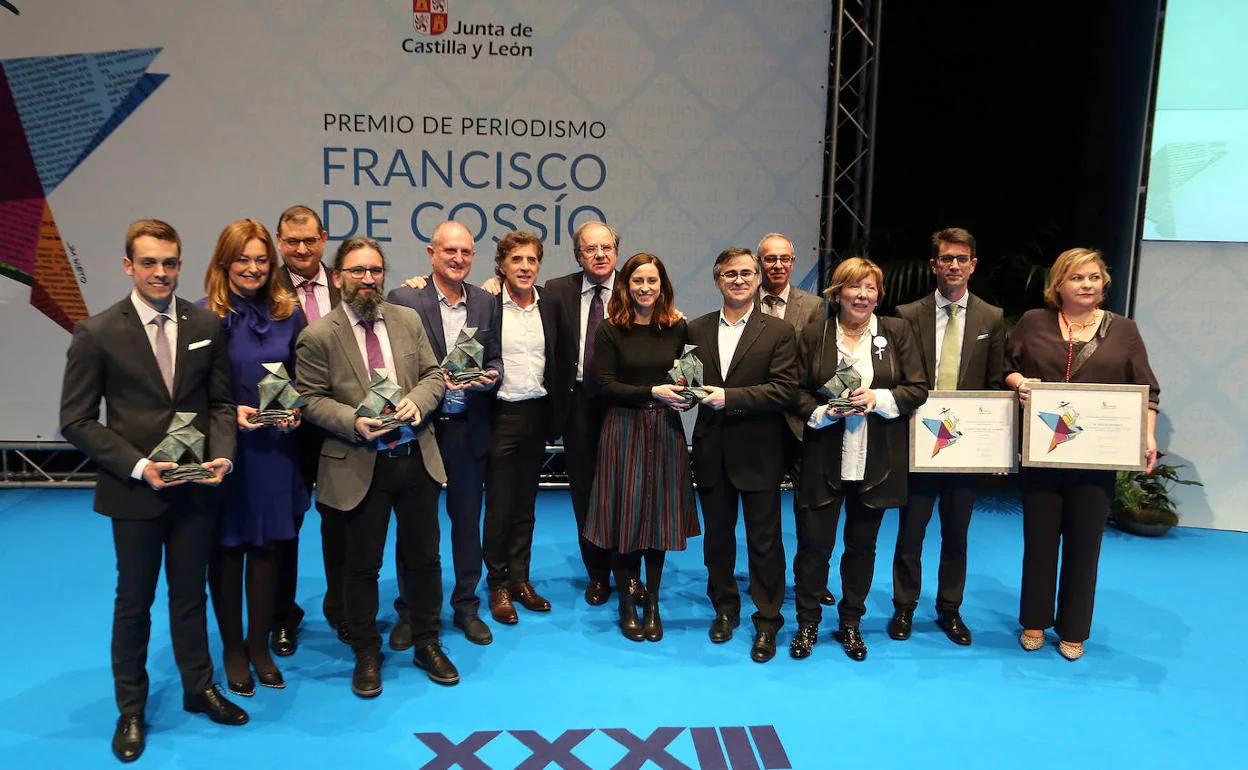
{"type": "Point", "coordinates": [184, 537]}
{"type": "Point", "coordinates": [763, 543]}
{"type": "Point", "coordinates": [580, 451]}
{"type": "Point", "coordinates": [1064, 511]}
{"type": "Point", "coordinates": [516, 453]}
{"type": "Point", "coordinates": [465, 491]}
{"type": "Point", "coordinates": [956, 492]}
{"type": "Point", "coordinates": [401, 484]}
{"type": "Point", "coordinates": [816, 537]}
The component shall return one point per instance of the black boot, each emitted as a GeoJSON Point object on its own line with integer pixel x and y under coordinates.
{"type": "Point", "coordinates": [651, 623]}
{"type": "Point", "coordinates": [630, 625]}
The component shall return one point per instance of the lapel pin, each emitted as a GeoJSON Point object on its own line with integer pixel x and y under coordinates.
{"type": "Point", "coordinates": [880, 343]}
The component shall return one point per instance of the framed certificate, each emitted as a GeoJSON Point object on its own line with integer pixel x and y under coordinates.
{"type": "Point", "coordinates": [1078, 425]}
{"type": "Point", "coordinates": [965, 431]}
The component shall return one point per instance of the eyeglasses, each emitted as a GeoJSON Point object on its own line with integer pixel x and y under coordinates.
{"type": "Point", "coordinates": [294, 243]}
{"type": "Point", "coordinates": [601, 248]}
{"type": "Point", "coordinates": [778, 259]}
{"type": "Point", "coordinates": [359, 271]}
{"type": "Point", "coordinates": [731, 276]}
{"type": "Point", "coordinates": [949, 259]}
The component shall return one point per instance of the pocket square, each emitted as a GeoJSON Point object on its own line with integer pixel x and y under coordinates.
{"type": "Point", "coordinates": [983, 336]}
{"type": "Point", "coordinates": [198, 345]}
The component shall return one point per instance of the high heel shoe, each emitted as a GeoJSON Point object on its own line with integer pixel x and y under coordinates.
{"type": "Point", "coordinates": [651, 623]}
{"type": "Point", "coordinates": [1030, 643]}
{"type": "Point", "coordinates": [1070, 650]}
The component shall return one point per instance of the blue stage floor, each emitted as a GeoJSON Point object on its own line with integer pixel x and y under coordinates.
{"type": "Point", "coordinates": [1163, 684]}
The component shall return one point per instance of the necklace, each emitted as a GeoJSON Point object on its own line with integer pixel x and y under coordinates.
{"type": "Point", "coordinates": [854, 331]}
{"type": "Point", "coordinates": [1070, 330]}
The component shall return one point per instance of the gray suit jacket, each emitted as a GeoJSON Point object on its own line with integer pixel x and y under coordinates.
{"type": "Point", "coordinates": [333, 377]}
{"type": "Point", "coordinates": [981, 364]}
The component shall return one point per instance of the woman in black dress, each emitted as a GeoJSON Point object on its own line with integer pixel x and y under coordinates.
{"type": "Point", "coordinates": [642, 498]}
{"type": "Point", "coordinates": [1064, 510]}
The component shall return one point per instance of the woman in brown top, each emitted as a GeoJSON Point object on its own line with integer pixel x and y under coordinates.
{"type": "Point", "coordinates": [1072, 340]}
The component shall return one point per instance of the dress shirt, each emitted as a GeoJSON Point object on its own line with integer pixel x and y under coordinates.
{"type": "Point", "coordinates": [942, 320]}
{"type": "Point", "coordinates": [524, 350]}
{"type": "Point", "coordinates": [587, 296]}
{"type": "Point", "coordinates": [383, 339]}
{"type": "Point", "coordinates": [729, 337]}
{"type": "Point", "coordinates": [854, 444]}
{"type": "Point", "coordinates": [454, 319]}
{"type": "Point", "coordinates": [147, 314]}
{"type": "Point", "coordinates": [320, 290]}
{"type": "Point", "coordinates": [778, 309]}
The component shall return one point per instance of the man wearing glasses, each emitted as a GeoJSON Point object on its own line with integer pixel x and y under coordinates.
{"type": "Point", "coordinates": [750, 368]}
{"type": "Point", "coordinates": [301, 239]}
{"type": "Point", "coordinates": [367, 470]}
{"type": "Point", "coordinates": [962, 339]}
{"type": "Point", "coordinates": [447, 304]}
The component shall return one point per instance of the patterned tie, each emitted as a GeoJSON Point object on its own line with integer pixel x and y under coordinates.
{"type": "Point", "coordinates": [310, 307]}
{"type": "Point", "coordinates": [771, 305]}
{"type": "Point", "coordinates": [589, 374]}
{"type": "Point", "coordinates": [164, 353]}
{"type": "Point", "coordinates": [950, 352]}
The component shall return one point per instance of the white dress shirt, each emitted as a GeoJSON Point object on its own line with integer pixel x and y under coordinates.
{"type": "Point", "coordinates": [854, 445]}
{"type": "Point", "coordinates": [587, 296]}
{"type": "Point", "coordinates": [778, 309]}
{"type": "Point", "coordinates": [147, 314]}
{"type": "Point", "coordinates": [320, 290]}
{"type": "Point", "coordinates": [729, 338]}
{"type": "Point", "coordinates": [383, 337]}
{"type": "Point", "coordinates": [942, 320]}
{"type": "Point", "coordinates": [524, 350]}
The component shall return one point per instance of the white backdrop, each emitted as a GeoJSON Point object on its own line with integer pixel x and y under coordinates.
{"type": "Point", "coordinates": [703, 129]}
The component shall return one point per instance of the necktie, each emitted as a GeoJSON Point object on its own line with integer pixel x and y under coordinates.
{"type": "Point", "coordinates": [164, 353]}
{"type": "Point", "coordinates": [950, 352]}
{"type": "Point", "coordinates": [771, 305]}
{"type": "Point", "coordinates": [310, 308]}
{"type": "Point", "coordinates": [589, 375]}
{"type": "Point", "coordinates": [372, 344]}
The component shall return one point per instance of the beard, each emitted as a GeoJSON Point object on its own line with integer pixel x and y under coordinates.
{"type": "Point", "coordinates": [364, 305]}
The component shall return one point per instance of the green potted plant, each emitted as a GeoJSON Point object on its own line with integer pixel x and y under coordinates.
{"type": "Point", "coordinates": [1142, 503]}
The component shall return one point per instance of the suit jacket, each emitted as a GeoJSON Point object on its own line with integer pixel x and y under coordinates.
{"type": "Point", "coordinates": [747, 436]}
{"type": "Point", "coordinates": [552, 374]}
{"type": "Point", "coordinates": [282, 276]}
{"type": "Point", "coordinates": [981, 365]}
{"type": "Point", "coordinates": [110, 357]}
{"type": "Point", "coordinates": [899, 370]}
{"type": "Point", "coordinates": [334, 378]}
{"type": "Point", "coordinates": [483, 313]}
{"type": "Point", "coordinates": [566, 291]}
{"type": "Point", "coordinates": [802, 310]}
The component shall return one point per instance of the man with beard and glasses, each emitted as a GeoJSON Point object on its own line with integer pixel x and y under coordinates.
{"type": "Point", "coordinates": [366, 472]}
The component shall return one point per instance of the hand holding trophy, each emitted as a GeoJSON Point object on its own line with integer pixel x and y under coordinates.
{"type": "Point", "coordinates": [182, 442]}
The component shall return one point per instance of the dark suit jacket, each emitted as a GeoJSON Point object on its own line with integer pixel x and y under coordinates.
{"type": "Point", "coordinates": [483, 313]}
{"type": "Point", "coordinates": [333, 377]}
{"type": "Point", "coordinates": [552, 376]}
{"type": "Point", "coordinates": [282, 276]}
{"type": "Point", "coordinates": [981, 364]}
{"type": "Point", "coordinates": [110, 357]}
{"type": "Point", "coordinates": [899, 370]}
{"type": "Point", "coordinates": [566, 291]}
{"type": "Point", "coordinates": [802, 309]}
{"type": "Point", "coordinates": [747, 436]}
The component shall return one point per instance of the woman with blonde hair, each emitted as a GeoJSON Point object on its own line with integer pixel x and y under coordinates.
{"type": "Point", "coordinates": [265, 491]}
{"type": "Point", "coordinates": [1064, 510]}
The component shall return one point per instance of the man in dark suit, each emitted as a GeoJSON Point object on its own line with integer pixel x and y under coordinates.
{"type": "Point", "coordinates": [366, 471]}
{"type": "Point", "coordinates": [528, 397]}
{"type": "Point", "coordinates": [750, 369]}
{"type": "Point", "coordinates": [446, 306]}
{"type": "Point", "coordinates": [301, 238]}
{"type": "Point", "coordinates": [779, 298]}
{"type": "Point", "coordinates": [582, 300]}
{"type": "Point", "coordinates": [962, 340]}
{"type": "Point", "coordinates": [150, 357]}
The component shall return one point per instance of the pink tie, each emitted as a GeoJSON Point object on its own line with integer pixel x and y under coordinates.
{"type": "Point", "coordinates": [310, 308]}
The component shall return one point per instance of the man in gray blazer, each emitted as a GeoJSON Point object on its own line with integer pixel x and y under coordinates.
{"type": "Point", "coordinates": [366, 471]}
{"type": "Point", "coordinates": [962, 341]}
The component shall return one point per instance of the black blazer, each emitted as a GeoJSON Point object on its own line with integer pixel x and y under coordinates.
{"type": "Point", "coordinates": [982, 363]}
{"type": "Point", "coordinates": [746, 437]}
{"type": "Point", "coordinates": [110, 357]}
{"type": "Point", "coordinates": [899, 369]}
{"type": "Point", "coordinates": [552, 375]}
{"type": "Point", "coordinates": [483, 313]}
{"type": "Point", "coordinates": [566, 292]}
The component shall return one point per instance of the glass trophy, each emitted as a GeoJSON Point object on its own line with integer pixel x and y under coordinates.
{"type": "Point", "coordinates": [183, 444]}
{"type": "Point", "coordinates": [463, 362]}
{"type": "Point", "coordinates": [837, 389]}
{"type": "Point", "coordinates": [276, 390]}
{"type": "Point", "coordinates": [382, 399]}
{"type": "Point", "coordinates": [690, 367]}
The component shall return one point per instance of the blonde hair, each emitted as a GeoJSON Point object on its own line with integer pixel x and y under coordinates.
{"type": "Point", "coordinates": [1065, 264]}
{"type": "Point", "coordinates": [233, 239]}
{"type": "Point", "coordinates": [852, 271]}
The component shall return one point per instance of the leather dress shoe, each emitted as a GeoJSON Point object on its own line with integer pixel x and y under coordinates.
{"type": "Point", "coordinates": [721, 627]}
{"type": "Point", "coordinates": [764, 648]}
{"type": "Point", "coordinates": [827, 599]}
{"type": "Point", "coordinates": [433, 661]}
{"type": "Point", "coordinates": [850, 637]}
{"type": "Point", "coordinates": [245, 688]}
{"type": "Point", "coordinates": [214, 703]}
{"type": "Point", "coordinates": [528, 598]}
{"type": "Point", "coordinates": [401, 636]}
{"type": "Point", "coordinates": [804, 640]}
{"type": "Point", "coordinates": [366, 679]}
{"type": "Point", "coordinates": [474, 629]}
{"type": "Point", "coordinates": [128, 738]}
{"type": "Point", "coordinates": [901, 624]}
{"type": "Point", "coordinates": [596, 593]}
{"type": "Point", "coordinates": [951, 623]}
{"type": "Point", "coordinates": [284, 641]}
{"type": "Point", "coordinates": [501, 607]}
